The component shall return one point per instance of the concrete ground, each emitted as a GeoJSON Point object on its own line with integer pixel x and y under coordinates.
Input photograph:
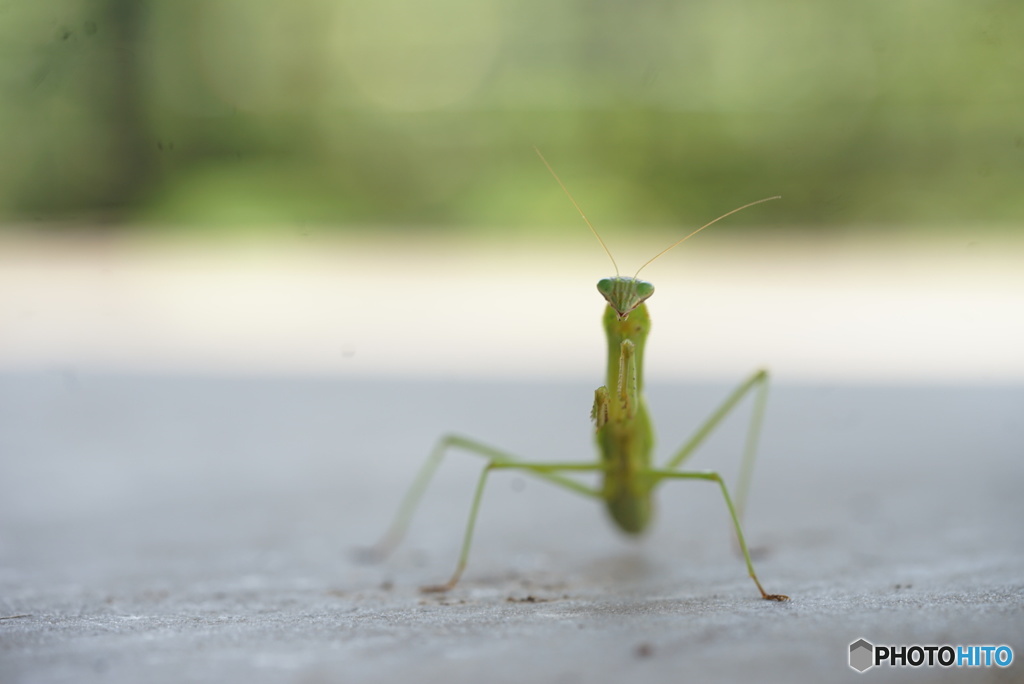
{"type": "Point", "coordinates": [194, 528]}
{"type": "Point", "coordinates": [194, 441]}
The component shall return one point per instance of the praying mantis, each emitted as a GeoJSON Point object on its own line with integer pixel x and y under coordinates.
{"type": "Point", "coordinates": [623, 429]}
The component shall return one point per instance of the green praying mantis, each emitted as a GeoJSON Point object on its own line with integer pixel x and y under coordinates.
{"type": "Point", "coordinates": [623, 426]}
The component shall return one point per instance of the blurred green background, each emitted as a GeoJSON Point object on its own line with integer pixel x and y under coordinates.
{"type": "Point", "coordinates": [223, 115]}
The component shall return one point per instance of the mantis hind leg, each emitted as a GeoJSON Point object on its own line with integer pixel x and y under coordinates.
{"type": "Point", "coordinates": [715, 477]}
{"type": "Point", "coordinates": [758, 383]}
{"type": "Point", "coordinates": [496, 459]}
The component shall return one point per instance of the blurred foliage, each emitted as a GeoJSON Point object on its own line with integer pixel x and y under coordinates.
{"type": "Point", "coordinates": [397, 112]}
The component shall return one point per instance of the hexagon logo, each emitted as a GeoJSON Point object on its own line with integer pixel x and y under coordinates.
{"type": "Point", "coordinates": [861, 655]}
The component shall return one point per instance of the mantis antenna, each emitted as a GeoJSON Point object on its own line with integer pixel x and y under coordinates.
{"type": "Point", "coordinates": [585, 219]}
{"type": "Point", "coordinates": [674, 244]}
{"type": "Point", "coordinates": [682, 240]}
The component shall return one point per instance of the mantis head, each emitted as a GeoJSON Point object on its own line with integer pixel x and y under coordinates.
{"type": "Point", "coordinates": [624, 294]}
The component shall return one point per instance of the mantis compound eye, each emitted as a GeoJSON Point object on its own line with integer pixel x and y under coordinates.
{"type": "Point", "coordinates": [644, 289]}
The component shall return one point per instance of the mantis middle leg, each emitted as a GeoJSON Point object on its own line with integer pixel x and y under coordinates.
{"type": "Point", "coordinates": [715, 477]}
{"type": "Point", "coordinates": [497, 459]}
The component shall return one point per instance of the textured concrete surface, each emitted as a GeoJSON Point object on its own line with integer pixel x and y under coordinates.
{"type": "Point", "coordinates": [192, 528]}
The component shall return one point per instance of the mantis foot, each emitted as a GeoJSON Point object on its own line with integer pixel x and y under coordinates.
{"type": "Point", "coordinates": [437, 588]}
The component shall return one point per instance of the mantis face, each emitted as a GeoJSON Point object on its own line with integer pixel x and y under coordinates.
{"type": "Point", "coordinates": [624, 294]}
